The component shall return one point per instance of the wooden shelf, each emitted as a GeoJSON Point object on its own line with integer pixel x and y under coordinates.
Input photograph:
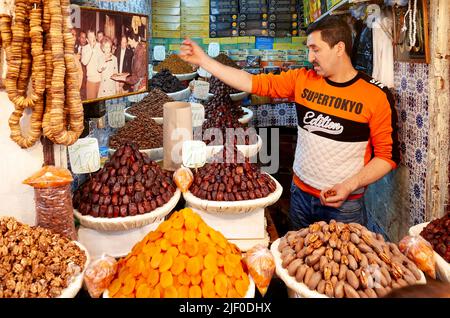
{"type": "Point", "coordinates": [345, 5]}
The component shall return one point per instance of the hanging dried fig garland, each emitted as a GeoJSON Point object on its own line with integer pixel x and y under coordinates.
{"type": "Point", "coordinates": [53, 74]}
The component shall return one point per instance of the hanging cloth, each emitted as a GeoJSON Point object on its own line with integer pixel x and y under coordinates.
{"type": "Point", "coordinates": [383, 51]}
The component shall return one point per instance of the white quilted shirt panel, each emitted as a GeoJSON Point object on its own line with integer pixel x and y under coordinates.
{"type": "Point", "coordinates": [321, 162]}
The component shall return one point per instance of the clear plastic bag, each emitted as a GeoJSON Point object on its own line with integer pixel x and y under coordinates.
{"type": "Point", "coordinates": [261, 265]}
{"type": "Point", "coordinates": [99, 275]}
{"type": "Point", "coordinates": [53, 200]}
{"type": "Point", "coordinates": [183, 178]}
{"type": "Point", "coordinates": [420, 252]}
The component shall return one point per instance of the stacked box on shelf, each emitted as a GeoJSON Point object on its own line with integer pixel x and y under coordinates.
{"type": "Point", "coordinates": [253, 6]}
{"type": "Point", "coordinates": [166, 19]}
{"type": "Point", "coordinates": [223, 25]}
{"type": "Point", "coordinates": [283, 17]}
{"type": "Point", "coordinates": [253, 18]}
{"type": "Point", "coordinates": [194, 18]}
{"type": "Point", "coordinates": [223, 18]}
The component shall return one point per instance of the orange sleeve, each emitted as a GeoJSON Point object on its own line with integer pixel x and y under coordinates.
{"type": "Point", "coordinates": [383, 131]}
{"type": "Point", "coordinates": [276, 86]}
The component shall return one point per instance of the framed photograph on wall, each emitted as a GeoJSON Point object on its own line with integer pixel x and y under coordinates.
{"type": "Point", "coordinates": [112, 52]}
{"type": "Point", "coordinates": [406, 31]}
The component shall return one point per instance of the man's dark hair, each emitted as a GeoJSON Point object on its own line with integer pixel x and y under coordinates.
{"type": "Point", "coordinates": [333, 30]}
{"type": "Point", "coordinates": [133, 36]}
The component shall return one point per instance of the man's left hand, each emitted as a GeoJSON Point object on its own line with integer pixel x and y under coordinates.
{"type": "Point", "coordinates": [339, 194]}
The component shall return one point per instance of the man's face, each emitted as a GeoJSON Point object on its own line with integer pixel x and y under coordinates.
{"type": "Point", "coordinates": [99, 37]}
{"type": "Point", "coordinates": [91, 38]}
{"type": "Point", "coordinates": [320, 55]}
{"type": "Point", "coordinates": [132, 43]}
{"type": "Point", "coordinates": [107, 48]}
{"type": "Point", "coordinates": [82, 38]}
{"type": "Point", "coordinates": [123, 43]}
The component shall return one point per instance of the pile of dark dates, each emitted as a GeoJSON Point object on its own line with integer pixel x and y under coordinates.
{"type": "Point", "coordinates": [217, 87]}
{"type": "Point", "coordinates": [222, 113]}
{"type": "Point", "coordinates": [166, 82]}
{"type": "Point", "coordinates": [129, 184]}
{"type": "Point", "coordinates": [228, 179]}
{"type": "Point", "coordinates": [437, 232]}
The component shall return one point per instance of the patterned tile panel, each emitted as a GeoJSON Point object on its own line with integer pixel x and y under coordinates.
{"type": "Point", "coordinates": [412, 104]}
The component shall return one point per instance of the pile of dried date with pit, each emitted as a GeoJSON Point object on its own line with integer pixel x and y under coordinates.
{"type": "Point", "coordinates": [34, 262]}
{"type": "Point", "coordinates": [231, 177]}
{"type": "Point", "coordinates": [129, 184]}
{"type": "Point", "coordinates": [437, 232]}
{"type": "Point", "coordinates": [345, 260]}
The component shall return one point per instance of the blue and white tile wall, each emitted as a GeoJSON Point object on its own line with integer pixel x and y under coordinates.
{"type": "Point", "coordinates": [274, 115]}
{"type": "Point", "coordinates": [412, 102]}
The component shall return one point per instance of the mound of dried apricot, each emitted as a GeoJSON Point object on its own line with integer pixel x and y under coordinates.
{"type": "Point", "coordinates": [185, 258]}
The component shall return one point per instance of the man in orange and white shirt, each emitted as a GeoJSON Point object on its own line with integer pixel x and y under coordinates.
{"type": "Point", "coordinates": [347, 136]}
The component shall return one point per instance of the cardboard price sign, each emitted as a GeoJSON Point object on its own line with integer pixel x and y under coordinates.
{"type": "Point", "coordinates": [194, 153]}
{"type": "Point", "coordinates": [116, 115]}
{"type": "Point", "coordinates": [84, 156]}
{"type": "Point", "coordinates": [201, 89]}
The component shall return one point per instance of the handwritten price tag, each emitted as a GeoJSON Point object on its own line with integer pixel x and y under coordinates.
{"type": "Point", "coordinates": [198, 114]}
{"type": "Point", "coordinates": [84, 156]}
{"type": "Point", "coordinates": [201, 89]}
{"type": "Point", "coordinates": [116, 115]}
{"type": "Point", "coordinates": [213, 49]}
{"type": "Point", "coordinates": [159, 53]}
{"type": "Point", "coordinates": [194, 153]}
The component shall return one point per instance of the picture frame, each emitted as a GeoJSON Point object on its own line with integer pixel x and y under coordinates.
{"type": "Point", "coordinates": [111, 49]}
{"type": "Point", "coordinates": [420, 52]}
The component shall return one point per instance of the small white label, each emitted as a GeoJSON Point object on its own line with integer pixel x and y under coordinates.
{"type": "Point", "coordinates": [159, 53]}
{"type": "Point", "coordinates": [194, 153]}
{"type": "Point", "coordinates": [198, 114]}
{"type": "Point", "coordinates": [203, 73]}
{"type": "Point", "coordinates": [116, 115]}
{"type": "Point", "coordinates": [213, 49]}
{"type": "Point", "coordinates": [84, 156]}
{"type": "Point", "coordinates": [201, 89]}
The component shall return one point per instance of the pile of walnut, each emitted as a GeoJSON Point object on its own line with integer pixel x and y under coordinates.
{"type": "Point", "coordinates": [34, 262]}
{"type": "Point", "coordinates": [345, 260]}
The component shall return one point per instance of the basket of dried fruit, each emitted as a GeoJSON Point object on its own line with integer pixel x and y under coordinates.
{"type": "Point", "coordinates": [184, 258]}
{"type": "Point", "coordinates": [435, 235]}
{"type": "Point", "coordinates": [247, 150]}
{"type": "Point", "coordinates": [44, 264]}
{"type": "Point", "coordinates": [342, 260]}
{"type": "Point", "coordinates": [179, 68]}
{"type": "Point", "coordinates": [151, 104]}
{"type": "Point", "coordinates": [182, 77]}
{"type": "Point", "coordinates": [154, 153]}
{"type": "Point", "coordinates": [231, 184]}
{"type": "Point", "coordinates": [144, 132]}
{"type": "Point", "coordinates": [130, 191]}
{"type": "Point", "coordinates": [248, 115]}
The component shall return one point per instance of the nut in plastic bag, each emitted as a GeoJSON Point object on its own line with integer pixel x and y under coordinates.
{"type": "Point", "coordinates": [183, 178]}
{"type": "Point", "coordinates": [420, 252]}
{"type": "Point", "coordinates": [261, 265]}
{"type": "Point", "coordinates": [99, 275]}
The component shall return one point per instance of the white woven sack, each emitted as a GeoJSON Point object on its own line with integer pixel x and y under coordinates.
{"type": "Point", "coordinates": [77, 282]}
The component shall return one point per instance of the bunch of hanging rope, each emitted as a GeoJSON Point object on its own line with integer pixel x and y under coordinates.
{"type": "Point", "coordinates": [54, 99]}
